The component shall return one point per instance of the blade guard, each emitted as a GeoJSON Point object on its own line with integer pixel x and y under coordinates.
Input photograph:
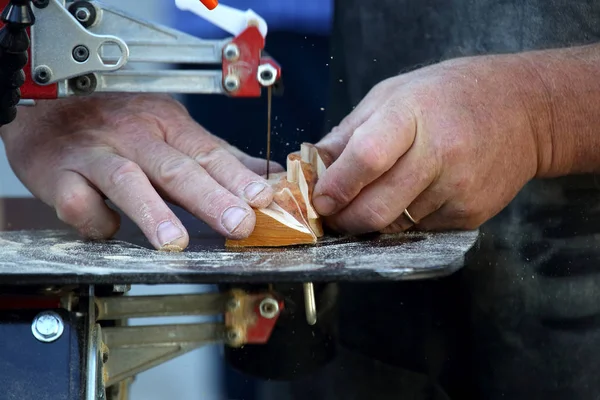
{"type": "Point", "coordinates": [250, 44]}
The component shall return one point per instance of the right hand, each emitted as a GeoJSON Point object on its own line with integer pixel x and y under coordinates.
{"type": "Point", "coordinates": [131, 149]}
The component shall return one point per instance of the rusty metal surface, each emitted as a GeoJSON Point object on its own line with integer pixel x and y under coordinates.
{"type": "Point", "coordinates": [43, 250]}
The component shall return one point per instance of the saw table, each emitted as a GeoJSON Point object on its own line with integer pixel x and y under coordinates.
{"type": "Point", "coordinates": [64, 310]}
{"type": "Point", "coordinates": [51, 253]}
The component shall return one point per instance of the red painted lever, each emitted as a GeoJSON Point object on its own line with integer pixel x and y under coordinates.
{"type": "Point", "coordinates": [210, 4]}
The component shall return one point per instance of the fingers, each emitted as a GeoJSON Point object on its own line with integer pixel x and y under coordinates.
{"type": "Point", "coordinates": [254, 164]}
{"type": "Point", "coordinates": [191, 187]}
{"type": "Point", "coordinates": [427, 203]}
{"type": "Point", "coordinates": [381, 203]}
{"type": "Point", "coordinates": [372, 150]}
{"type": "Point", "coordinates": [334, 142]}
{"type": "Point", "coordinates": [192, 140]}
{"type": "Point", "coordinates": [452, 216]}
{"type": "Point", "coordinates": [81, 206]}
{"type": "Point", "coordinates": [127, 186]}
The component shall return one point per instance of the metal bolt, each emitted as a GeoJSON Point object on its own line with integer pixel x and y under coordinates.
{"type": "Point", "coordinates": [47, 326]}
{"type": "Point", "coordinates": [232, 83]}
{"type": "Point", "coordinates": [81, 53]}
{"type": "Point", "coordinates": [83, 83]}
{"type": "Point", "coordinates": [233, 304]}
{"type": "Point", "coordinates": [42, 74]}
{"type": "Point", "coordinates": [269, 308]}
{"type": "Point", "coordinates": [83, 14]}
{"type": "Point", "coordinates": [267, 74]}
{"type": "Point", "coordinates": [232, 52]}
{"type": "Point", "coordinates": [233, 335]}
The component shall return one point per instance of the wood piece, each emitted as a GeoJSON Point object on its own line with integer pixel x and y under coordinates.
{"type": "Point", "coordinates": [291, 218]}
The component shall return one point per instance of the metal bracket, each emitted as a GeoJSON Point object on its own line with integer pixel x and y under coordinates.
{"type": "Point", "coordinates": [133, 349]}
{"type": "Point", "coordinates": [71, 51]}
{"type": "Point", "coordinates": [129, 350]}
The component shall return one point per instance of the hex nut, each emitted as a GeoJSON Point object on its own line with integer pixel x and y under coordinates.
{"type": "Point", "coordinates": [267, 74]}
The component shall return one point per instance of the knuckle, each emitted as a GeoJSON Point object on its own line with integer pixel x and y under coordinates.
{"type": "Point", "coordinates": [72, 208]}
{"type": "Point", "coordinates": [215, 160]}
{"type": "Point", "coordinates": [469, 216]}
{"type": "Point", "coordinates": [71, 205]}
{"type": "Point", "coordinates": [341, 191]}
{"type": "Point", "coordinates": [463, 183]}
{"type": "Point", "coordinates": [461, 211]}
{"type": "Point", "coordinates": [370, 155]}
{"type": "Point", "coordinates": [124, 172]}
{"type": "Point", "coordinates": [174, 170]}
{"type": "Point", "coordinates": [454, 148]}
{"type": "Point", "coordinates": [378, 215]}
{"type": "Point", "coordinates": [213, 203]}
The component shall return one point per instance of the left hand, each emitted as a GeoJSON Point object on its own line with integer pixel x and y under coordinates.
{"type": "Point", "coordinates": [452, 143]}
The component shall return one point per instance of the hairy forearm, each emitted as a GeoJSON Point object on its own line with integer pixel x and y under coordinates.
{"type": "Point", "coordinates": [565, 106]}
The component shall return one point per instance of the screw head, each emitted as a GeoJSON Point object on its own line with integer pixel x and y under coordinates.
{"type": "Point", "coordinates": [269, 308]}
{"type": "Point", "coordinates": [83, 83]}
{"type": "Point", "coordinates": [42, 74]}
{"type": "Point", "coordinates": [83, 14]}
{"type": "Point", "coordinates": [47, 326]}
{"type": "Point", "coordinates": [81, 53]}
{"type": "Point", "coordinates": [232, 83]}
{"type": "Point", "coordinates": [233, 336]}
{"type": "Point", "coordinates": [233, 304]}
{"type": "Point", "coordinates": [231, 52]}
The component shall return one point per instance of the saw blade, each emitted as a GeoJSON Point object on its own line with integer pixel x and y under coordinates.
{"type": "Point", "coordinates": [268, 130]}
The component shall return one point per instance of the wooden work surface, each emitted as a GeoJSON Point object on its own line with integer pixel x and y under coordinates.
{"type": "Point", "coordinates": [36, 248]}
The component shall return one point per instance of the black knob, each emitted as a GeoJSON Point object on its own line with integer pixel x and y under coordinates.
{"type": "Point", "coordinates": [17, 16]}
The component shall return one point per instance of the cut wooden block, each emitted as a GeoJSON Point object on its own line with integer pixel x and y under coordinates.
{"type": "Point", "coordinates": [291, 218]}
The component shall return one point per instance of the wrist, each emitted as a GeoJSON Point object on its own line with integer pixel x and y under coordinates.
{"type": "Point", "coordinates": [563, 106]}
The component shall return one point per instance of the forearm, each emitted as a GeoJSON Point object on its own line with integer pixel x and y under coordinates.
{"type": "Point", "coordinates": [565, 108]}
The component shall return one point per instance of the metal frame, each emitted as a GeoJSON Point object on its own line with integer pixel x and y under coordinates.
{"type": "Point", "coordinates": [99, 55]}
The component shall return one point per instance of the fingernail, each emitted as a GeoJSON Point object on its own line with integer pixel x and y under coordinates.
{"type": "Point", "coordinates": [168, 232]}
{"type": "Point", "coordinates": [253, 190]}
{"type": "Point", "coordinates": [324, 205]}
{"type": "Point", "coordinates": [233, 217]}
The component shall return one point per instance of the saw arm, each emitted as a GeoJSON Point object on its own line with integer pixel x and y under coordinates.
{"type": "Point", "coordinates": [84, 47]}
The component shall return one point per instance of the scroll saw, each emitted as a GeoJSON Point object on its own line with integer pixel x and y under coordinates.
{"type": "Point", "coordinates": [64, 307]}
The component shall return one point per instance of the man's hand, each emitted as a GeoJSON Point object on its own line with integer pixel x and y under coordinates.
{"type": "Point", "coordinates": [132, 149]}
{"type": "Point", "coordinates": [451, 143]}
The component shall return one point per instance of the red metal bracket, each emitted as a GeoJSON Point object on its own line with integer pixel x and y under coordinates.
{"type": "Point", "coordinates": [250, 43]}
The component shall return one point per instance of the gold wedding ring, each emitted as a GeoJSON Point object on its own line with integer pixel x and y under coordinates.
{"type": "Point", "coordinates": [409, 216]}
